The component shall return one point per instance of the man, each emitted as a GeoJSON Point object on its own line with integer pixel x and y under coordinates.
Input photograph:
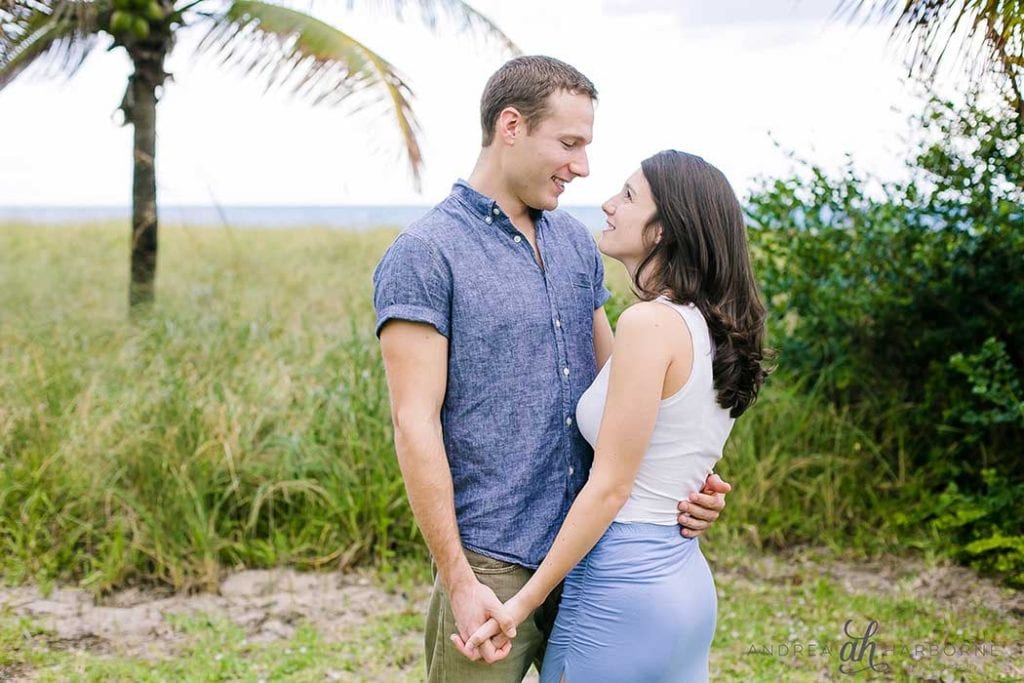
{"type": "Point", "coordinates": [491, 323]}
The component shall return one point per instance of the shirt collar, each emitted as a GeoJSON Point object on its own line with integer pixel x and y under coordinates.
{"type": "Point", "coordinates": [486, 208]}
{"type": "Point", "coordinates": [479, 203]}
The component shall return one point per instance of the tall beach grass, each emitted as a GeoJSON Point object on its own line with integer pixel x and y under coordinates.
{"type": "Point", "coordinates": [244, 421]}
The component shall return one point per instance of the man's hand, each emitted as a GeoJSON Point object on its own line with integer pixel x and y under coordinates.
{"type": "Point", "coordinates": [702, 509]}
{"type": "Point", "coordinates": [473, 603]}
{"type": "Point", "coordinates": [471, 649]}
{"type": "Point", "coordinates": [501, 626]}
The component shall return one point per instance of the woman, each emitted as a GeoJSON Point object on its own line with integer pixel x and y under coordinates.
{"type": "Point", "coordinates": [640, 603]}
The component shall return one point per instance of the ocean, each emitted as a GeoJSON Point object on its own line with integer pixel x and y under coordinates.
{"type": "Point", "coordinates": [241, 217]}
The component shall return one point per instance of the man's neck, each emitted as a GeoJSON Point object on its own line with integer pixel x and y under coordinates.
{"type": "Point", "coordinates": [488, 180]}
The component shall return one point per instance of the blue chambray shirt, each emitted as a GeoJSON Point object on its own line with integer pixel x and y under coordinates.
{"type": "Point", "coordinates": [520, 354]}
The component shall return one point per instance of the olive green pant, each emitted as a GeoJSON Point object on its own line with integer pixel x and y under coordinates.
{"type": "Point", "coordinates": [445, 663]}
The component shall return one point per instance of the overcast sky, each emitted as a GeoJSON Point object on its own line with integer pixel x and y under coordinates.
{"type": "Point", "coordinates": [720, 78]}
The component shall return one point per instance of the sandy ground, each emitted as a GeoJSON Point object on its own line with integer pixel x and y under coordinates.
{"type": "Point", "coordinates": [270, 604]}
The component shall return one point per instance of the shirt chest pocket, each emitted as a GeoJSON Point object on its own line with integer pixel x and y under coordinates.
{"type": "Point", "coordinates": [582, 301]}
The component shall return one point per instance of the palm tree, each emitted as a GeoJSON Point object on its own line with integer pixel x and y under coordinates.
{"type": "Point", "coordinates": [994, 28]}
{"type": "Point", "coordinates": [284, 47]}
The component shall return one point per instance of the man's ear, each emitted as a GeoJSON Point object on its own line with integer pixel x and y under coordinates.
{"type": "Point", "coordinates": [510, 125]}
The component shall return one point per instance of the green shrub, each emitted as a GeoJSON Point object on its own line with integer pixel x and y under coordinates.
{"type": "Point", "coordinates": [904, 297]}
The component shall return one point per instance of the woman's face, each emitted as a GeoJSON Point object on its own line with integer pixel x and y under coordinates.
{"type": "Point", "coordinates": [628, 212]}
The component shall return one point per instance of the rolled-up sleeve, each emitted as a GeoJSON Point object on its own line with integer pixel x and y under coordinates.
{"type": "Point", "coordinates": [412, 283]}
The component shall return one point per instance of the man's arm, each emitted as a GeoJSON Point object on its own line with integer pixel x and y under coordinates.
{"type": "Point", "coordinates": [603, 338]}
{"type": "Point", "coordinates": [416, 364]}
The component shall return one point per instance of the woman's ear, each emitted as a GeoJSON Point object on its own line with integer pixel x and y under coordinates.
{"type": "Point", "coordinates": [655, 236]}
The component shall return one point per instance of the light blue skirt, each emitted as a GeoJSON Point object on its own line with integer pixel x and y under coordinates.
{"type": "Point", "coordinates": [641, 606]}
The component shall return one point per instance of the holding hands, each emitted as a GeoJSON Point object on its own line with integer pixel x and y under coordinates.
{"type": "Point", "coordinates": [473, 605]}
{"type": "Point", "coordinates": [492, 642]}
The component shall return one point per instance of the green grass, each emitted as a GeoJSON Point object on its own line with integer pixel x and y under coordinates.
{"type": "Point", "coordinates": [772, 626]}
{"type": "Point", "coordinates": [792, 628]}
{"type": "Point", "coordinates": [245, 421]}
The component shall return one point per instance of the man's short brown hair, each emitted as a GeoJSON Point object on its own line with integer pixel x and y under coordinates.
{"type": "Point", "coordinates": [525, 83]}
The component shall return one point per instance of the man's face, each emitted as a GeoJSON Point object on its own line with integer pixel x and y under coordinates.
{"type": "Point", "coordinates": [542, 161]}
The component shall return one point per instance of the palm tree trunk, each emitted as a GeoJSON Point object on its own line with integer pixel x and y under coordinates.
{"type": "Point", "coordinates": [139, 107]}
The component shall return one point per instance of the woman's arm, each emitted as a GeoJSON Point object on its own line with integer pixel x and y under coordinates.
{"type": "Point", "coordinates": [701, 509]}
{"type": "Point", "coordinates": [642, 354]}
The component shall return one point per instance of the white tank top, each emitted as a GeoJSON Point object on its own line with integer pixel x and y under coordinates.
{"type": "Point", "coordinates": [688, 435]}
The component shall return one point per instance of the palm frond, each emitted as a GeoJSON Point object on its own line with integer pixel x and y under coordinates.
{"type": "Point", "coordinates": [58, 35]}
{"type": "Point", "coordinates": [990, 32]}
{"type": "Point", "coordinates": [460, 13]}
{"type": "Point", "coordinates": [316, 61]}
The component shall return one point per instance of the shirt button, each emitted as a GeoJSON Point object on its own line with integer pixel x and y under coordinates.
{"type": "Point", "coordinates": [497, 211]}
{"type": "Point", "coordinates": [517, 239]}
{"type": "Point", "coordinates": [558, 323]}
{"type": "Point", "coordinates": [565, 371]}
{"type": "Point", "coordinates": [488, 220]}
{"type": "Point", "coordinates": [572, 470]}
{"type": "Point", "coordinates": [568, 422]}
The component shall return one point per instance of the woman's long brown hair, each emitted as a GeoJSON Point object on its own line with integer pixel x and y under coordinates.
{"type": "Point", "coordinates": [701, 258]}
